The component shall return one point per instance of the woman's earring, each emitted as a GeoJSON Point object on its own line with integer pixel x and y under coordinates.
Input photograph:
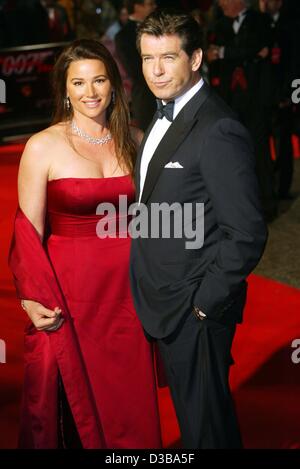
{"type": "Point", "coordinates": [67, 103]}
{"type": "Point", "coordinates": [113, 97]}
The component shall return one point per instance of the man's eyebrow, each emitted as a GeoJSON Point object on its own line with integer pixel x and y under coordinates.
{"type": "Point", "coordinates": [164, 53]}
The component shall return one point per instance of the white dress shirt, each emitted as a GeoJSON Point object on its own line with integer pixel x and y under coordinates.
{"type": "Point", "coordinates": [275, 18]}
{"type": "Point", "coordinates": [160, 128]}
{"type": "Point", "coordinates": [239, 21]}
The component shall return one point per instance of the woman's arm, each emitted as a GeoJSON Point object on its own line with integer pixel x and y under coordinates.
{"type": "Point", "coordinates": [32, 192]}
{"type": "Point", "coordinates": [32, 181]}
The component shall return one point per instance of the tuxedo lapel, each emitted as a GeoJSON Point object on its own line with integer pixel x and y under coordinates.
{"type": "Point", "coordinates": [244, 25]}
{"type": "Point", "coordinates": [175, 134]}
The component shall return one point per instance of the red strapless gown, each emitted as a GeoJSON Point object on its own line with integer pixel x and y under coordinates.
{"type": "Point", "coordinates": [93, 275]}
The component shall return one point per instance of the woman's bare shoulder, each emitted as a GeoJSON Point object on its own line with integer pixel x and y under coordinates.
{"type": "Point", "coordinates": [137, 135]}
{"type": "Point", "coordinates": [44, 139]}
{"type": "Point", "coordinates": [43, 145]}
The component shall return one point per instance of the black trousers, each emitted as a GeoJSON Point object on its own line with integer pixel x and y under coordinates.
{"type": "Point", "coordinates": [197, 359]}
{"type": "Point", "coordinates": [282, 132]}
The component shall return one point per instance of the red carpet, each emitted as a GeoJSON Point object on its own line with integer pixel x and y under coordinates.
{"type": "Point", "coordinates": [265, 382]}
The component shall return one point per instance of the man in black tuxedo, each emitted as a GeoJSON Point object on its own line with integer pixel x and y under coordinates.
{"type": "Point", "coordinates": [282, 77]}
{"type": "Point", "coordinates": [142, 100]}
{"type": "Point", "coordinates": [241, 73]}
{"type": "Point", "coordinates": [190, 297]}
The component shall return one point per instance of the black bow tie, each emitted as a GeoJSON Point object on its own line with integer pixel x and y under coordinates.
{"type": "Point", "coordinates": [165, 110]}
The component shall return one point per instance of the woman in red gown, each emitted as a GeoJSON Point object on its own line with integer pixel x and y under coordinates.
{"type": "Point", "coordinates": [89, 377]}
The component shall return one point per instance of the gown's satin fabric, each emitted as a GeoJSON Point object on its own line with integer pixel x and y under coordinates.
{"type": "Point", "coordinates": [120, 402]}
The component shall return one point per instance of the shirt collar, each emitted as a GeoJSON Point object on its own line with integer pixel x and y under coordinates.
{"type": "Point", "coordinates": [241, 15]}
{"type": "Point", "coordinates": [276, 16]}
{"type": "Point", "coordinates": [243, 12]}
{"type": "Point", "coordinates": [181, 101]}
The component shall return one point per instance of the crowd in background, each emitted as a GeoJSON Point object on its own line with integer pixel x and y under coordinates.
{"type": "Point", "coordinates": [250, 58]}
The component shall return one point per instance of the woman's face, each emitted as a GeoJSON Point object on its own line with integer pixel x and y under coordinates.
{"type": "Point", "coordinates": [88, 87]}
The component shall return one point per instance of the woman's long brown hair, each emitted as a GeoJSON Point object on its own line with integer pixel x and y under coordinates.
{"type": "Point", "coordinates": [117, 112]}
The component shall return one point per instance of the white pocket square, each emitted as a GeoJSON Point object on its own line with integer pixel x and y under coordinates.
{"type": "Point", "coordinates": [172, 165]}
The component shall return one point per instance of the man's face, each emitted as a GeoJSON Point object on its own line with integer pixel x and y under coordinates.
{"type": "Point", "coordinates": [167, 68]}
{"type": "Point", "coordinates": [232, 8]}
{"type": "Point", "coordinates": [123, 15]}
{"type": "Point", "coordinates": [144, 9]}
{"type": "Point", "coordinates": [273, 6]}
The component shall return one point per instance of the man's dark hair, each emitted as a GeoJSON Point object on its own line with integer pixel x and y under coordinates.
{"type": "Point", "coordinates": [169, 22]}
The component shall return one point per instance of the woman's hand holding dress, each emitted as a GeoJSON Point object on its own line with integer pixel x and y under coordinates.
{"type": "Point", "coordinates": [43, 319]}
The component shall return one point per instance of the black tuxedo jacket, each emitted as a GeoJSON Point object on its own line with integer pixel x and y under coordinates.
{"type": "Point", "coordinates": [216, 155]}
{"type": "Point", "coordinates": [241, 50]}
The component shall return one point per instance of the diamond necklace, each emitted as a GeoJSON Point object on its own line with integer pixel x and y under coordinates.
{"type": "Point", "coordinates": [88, 138]}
